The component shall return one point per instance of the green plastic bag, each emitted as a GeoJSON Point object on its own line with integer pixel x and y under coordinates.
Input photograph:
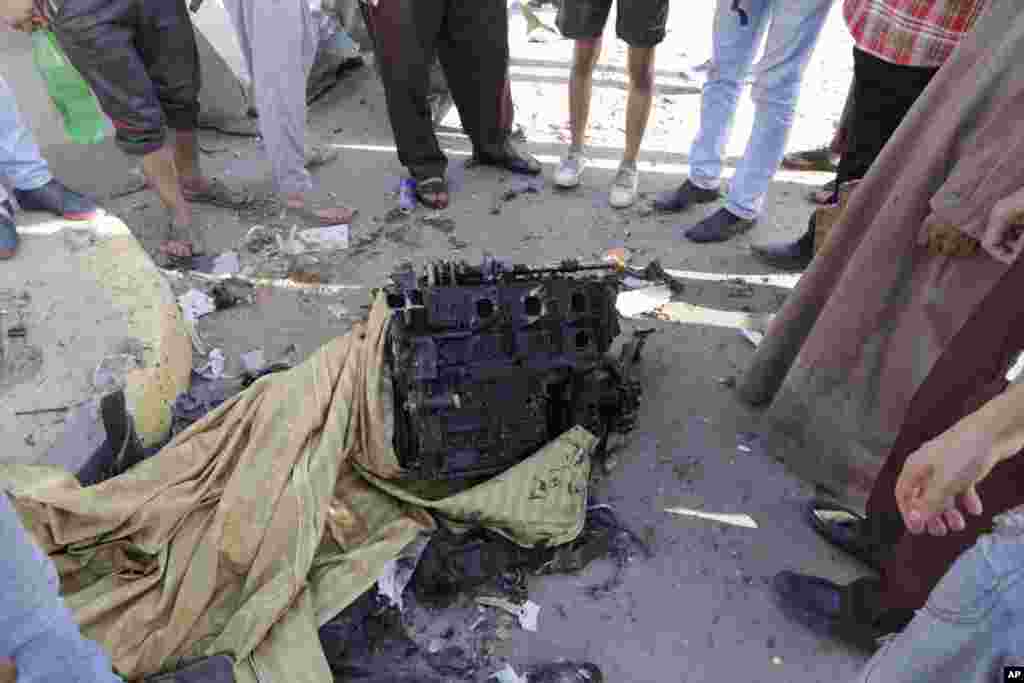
{"type": "Point", "coordinates": [84, 121]}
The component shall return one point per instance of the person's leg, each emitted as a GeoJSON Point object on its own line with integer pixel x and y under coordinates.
{"type": "Point", "coordinates": [793, 34]}
{"type": "Point", "coordinates": [582, 21]}
{"type": "Point", "coordinates": [21, 163]}
{"type": "Point", "coordinates": [969, 372]}
{"type": "Point", "coordinates": [639, 100]}
{"type": "Point", "coordinates": [37, 630]}
{"type": "Point", "coordinates": [884, 93]}
{"type": "Point", "coordinates": [733, 47]}
{"type": "Point", "coordinates": [280, 65]}
{"type": "Point", "coordinates": [28, 173]}
{"type": "Point", "coordinates": [586, 52]}
{"type": "Point", "coordinates": [99, 38]}
{"type": "Point", "coordinates": [405, 34]}
{"type": "Point", "coordinates": [880, 97]}
{"type": "Point", "coordinates": [641, 25]}
{"type": "Point", "coordinates": [973, 622]}
{"type": "Point", "coordinates": [473, 47]}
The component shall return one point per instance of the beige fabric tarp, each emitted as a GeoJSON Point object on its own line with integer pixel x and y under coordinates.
{"type": "Point", "coordinates": [268, 517]}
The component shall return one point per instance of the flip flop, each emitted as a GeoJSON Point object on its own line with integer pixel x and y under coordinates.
{"type": "Point", "coordinates": [218, 194]}
{"type": "Point", "coordinates": [432, 186]}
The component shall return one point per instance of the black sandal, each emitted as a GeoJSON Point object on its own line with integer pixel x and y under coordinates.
{"type": "Point", "coordinates": [432, 186]}
{"type": "Point", "coordinates": [845, 529]}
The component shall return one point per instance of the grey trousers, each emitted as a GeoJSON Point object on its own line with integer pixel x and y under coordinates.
{"type": "Point", "coordinates": [278, 40]}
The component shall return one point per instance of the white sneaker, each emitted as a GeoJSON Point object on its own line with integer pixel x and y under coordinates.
{"type": "Point", "coordinates": [570, 171]}
{"type": "Point", "coordinates": [623, 193]}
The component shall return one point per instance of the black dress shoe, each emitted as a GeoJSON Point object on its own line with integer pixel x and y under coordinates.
{"type": "Point", "coordinates": [847, 613]}
{"type": "Point", "coordinates": [720, 226]}
{"type": "Point", "coordinates": [683, 197]}
{"type": "Point", "coordinates": [511, 159]}
{"type": "Point", "coordinates": [791, 256]}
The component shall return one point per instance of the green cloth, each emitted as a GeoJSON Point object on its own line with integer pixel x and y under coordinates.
{"type": "Point", "coordinates": [267, 518]}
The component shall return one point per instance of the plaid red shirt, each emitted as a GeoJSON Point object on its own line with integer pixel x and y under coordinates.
{"type": "Point", "coordinates": [910, 32]}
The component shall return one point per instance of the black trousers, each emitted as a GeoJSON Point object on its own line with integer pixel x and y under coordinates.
{"type": "Point", "coordinates": [140, 59]}
{"type": "Point", "coordinates": [882, 94]}
{"type": "Point", "coordinates": [471, 39]}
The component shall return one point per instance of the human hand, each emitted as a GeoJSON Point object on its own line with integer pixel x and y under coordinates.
{"type": "Point", "coordinates": [938, 483]}
{"type": "Point", "coordinates": [15, 13]}
{"type": "Point", "coordinates": [1004, 234]}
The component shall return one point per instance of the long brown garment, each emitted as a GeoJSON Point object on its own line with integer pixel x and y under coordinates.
{"type": "Point", "coordinates": [870, 319]}
{"type": "Point", "coordinates": [972, 365]}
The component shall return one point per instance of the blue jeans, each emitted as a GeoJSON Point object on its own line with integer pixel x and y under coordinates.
{"type": "Point", "coordinates": [21, 165]}
{"type": "Point", "coordinates": [973, 622]}
{"type": "Point", "coordinates": [792, 28]}
{"type": "Point", "coordinates": [37, 630]}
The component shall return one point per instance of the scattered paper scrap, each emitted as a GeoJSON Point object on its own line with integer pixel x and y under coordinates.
{"type": "Point", "coordinates": [645, 300]}
{"type": "Point", "coordinates": [398, 572]}
{"type": "Point", "coordinates": [214, 367]}
{"type": "Point", "coordinates": [333, 237]}
{"type": "Point", "coordinates": [508, 675]}
{"type": "Point", "coordinates": [195, 304]}
{"type": "Point", "coordinates": [691, 314]}
{"type": "Point", "coordinates": [753, 336]}
{"type": "Point", "coordinates": [527, 613]}
{"type": "Point", "coordinates": [736, 520]}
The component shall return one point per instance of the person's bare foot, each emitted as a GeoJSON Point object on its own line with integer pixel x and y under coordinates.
{"type": "Point", "coordinates": [328, 216]}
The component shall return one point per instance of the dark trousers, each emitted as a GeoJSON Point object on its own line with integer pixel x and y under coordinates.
{"type": "Point", "coordinates": [971, 371]}
{"type": "Point", "coordinates": [471, 39]}
{"type": "Point", "coordinates": [882, 94]}
{"type": "Point", "coordinates": [140, 59]}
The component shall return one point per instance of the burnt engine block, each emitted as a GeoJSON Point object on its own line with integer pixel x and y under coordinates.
{"type": "Point", "coordinates": [491, 362]}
